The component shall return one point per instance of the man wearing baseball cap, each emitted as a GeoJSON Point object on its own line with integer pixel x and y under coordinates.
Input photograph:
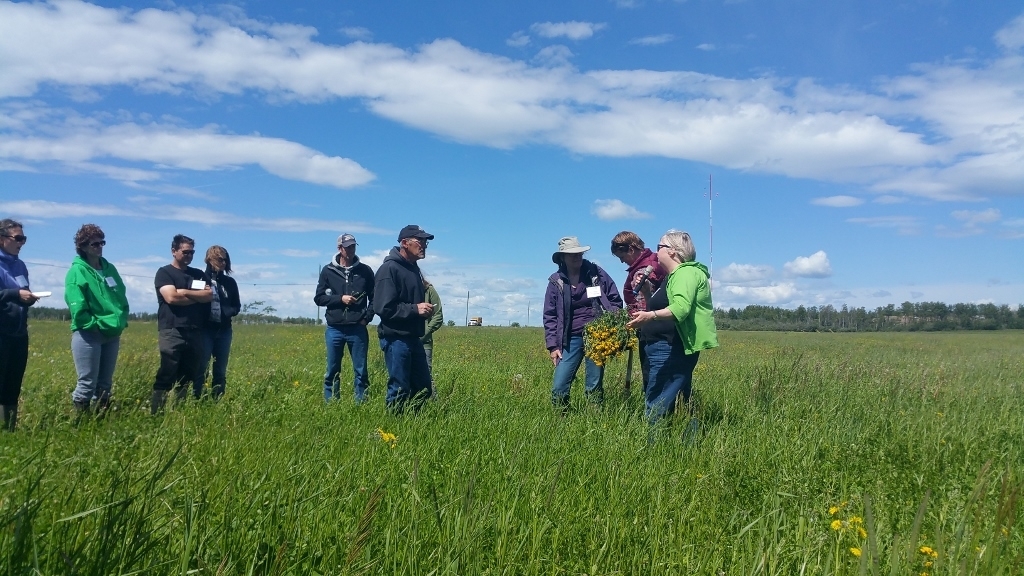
{"type": "Point", "coordinates": [401, 304]}
{"type": "Point", "coordinates": [345, 288]}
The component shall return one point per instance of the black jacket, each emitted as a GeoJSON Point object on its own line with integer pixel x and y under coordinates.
{"type": "Point", "coordinates": [398, 289]}
{"type": "Point", "coordinates": [230, 301]}
{"type": "Point", "coordinates": [335, 282]}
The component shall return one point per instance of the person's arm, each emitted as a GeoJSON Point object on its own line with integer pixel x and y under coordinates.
{"type": "Point", "coordinates": [321, 297]}
{"type": "Point", "coordinates": [610, 290]}
{"type": "Point", "coordinates": [550, 318]}
{"type": "Point", "coordinates": [233, 306]}
{"type": "Point", "coordinates": [369, 281]}
{"type": "Point", "coordinates": [74, 297]}
{"type": "Point", "coordinates": [681, 292]}
{"type": "Point", "coordinates": [436, 319]}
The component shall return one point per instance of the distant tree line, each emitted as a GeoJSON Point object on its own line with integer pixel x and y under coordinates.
{"type": "Point", "coordinates": [909, 316]}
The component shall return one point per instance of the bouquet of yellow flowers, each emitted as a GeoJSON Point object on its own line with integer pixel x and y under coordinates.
{"type": "Point", "coordinates": [607, 336]}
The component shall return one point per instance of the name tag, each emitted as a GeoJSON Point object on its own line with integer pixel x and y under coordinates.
{"type": "Point", "coordinates": [593, 291]}
{"type": "Point", "coordinates": [111, 282]}
{"type": "Point", "coordinates": [22, 281]}
{"type": "Point", "coordinates": [198, 284]}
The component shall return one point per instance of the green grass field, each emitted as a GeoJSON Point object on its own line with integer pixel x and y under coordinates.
{"type": "Point", "coordinates": [912, 440]}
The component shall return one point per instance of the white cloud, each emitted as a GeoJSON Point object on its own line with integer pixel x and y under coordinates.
{"type": "Point", "coordinates": [357, 33]}
{"type": "Point", "coordinates": [743, 273]}
{"type": "Point", "coordinates": [773, 295]}
{"type": "Point", "coordinates": [1011, 36]}
{"type": "Point", "coordinates": [554, 56]}
{"type": "Point", "coordinates": [518, 40]}
{"type": "Point", "coordinates": [975, 217]}
{"type": "Point", "coordinates": [706, 47]}
{"type": "Point", "coordinates": [838, 201]}
{"type": "Point", "coordinates": [814, 266]}
{"type": "Point", "coordinates": [948, 130]}
{"type": "Point", "coordinates": [44, 210]}
{"type": "Point", "coordinates": [904, 225]}
{"type": "Point", "coordinates": [572, 30]}
{"type": "Point", "coordinates": [652, 40]}
{"type": "Point", "coordinates": [888, 199]}
{"type": "Point", "coordinates": [615, 209]}
{"type": "Point", "coordinates": [85, 144]}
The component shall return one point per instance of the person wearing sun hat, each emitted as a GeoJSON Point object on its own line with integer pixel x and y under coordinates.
{"type": "Point", "coordinates": [576, 294]}
{"type": "Point", "coordinates": [345, 288]}
{"type": "Point", "coordinates": [400, 302]}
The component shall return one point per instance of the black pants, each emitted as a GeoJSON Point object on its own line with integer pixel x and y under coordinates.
{"type": "Point", "coordinates": [180, 357]}
{"type": "Point", "coordinates": [13, 358]}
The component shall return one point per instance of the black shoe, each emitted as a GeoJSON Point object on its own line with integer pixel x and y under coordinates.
{"type": "Point", "coordinates": [157, 401]}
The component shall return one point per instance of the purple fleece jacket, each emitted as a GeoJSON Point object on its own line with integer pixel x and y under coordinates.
{"type": "Point", "coordinates": [556, 327]}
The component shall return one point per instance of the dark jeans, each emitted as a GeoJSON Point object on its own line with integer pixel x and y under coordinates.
{"type": "Point", "coordinates": [408, 373]}
{"type": "Point", "coordinates": [669, 374]}
{"type": "Point", "coordinates": [13, 359]}
{"type": "Point", "coordinates": [180, 352]}
{"type": "Point", "coordinates": [565, 373]}
{"type": "Point", "coordinates": [357, 339]}
{"type": "Point", "coordinates": [216, 344]}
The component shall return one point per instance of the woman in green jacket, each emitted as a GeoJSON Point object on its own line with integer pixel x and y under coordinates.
{"type": "Point", "coordinates": [98, 304]}
{"type": "Point", "coordinates": [684, 300]}
{"type": "Point", "coordinates": [435, 321]}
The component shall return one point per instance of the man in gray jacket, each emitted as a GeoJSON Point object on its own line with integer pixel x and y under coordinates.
{"type": "Point", "coordinates": [345, 288]}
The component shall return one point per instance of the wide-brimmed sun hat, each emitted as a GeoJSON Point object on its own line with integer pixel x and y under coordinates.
{"type": "Point", "coordinates": [568, 245]}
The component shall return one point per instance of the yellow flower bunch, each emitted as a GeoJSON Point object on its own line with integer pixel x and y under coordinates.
{"type": "Point", "coordinates": [607, 336]}
{"type": "Point", "coordinates": [387, 437]}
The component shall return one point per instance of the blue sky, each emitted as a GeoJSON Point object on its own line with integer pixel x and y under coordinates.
{"type": "Point", "coordinates": [863, 153]}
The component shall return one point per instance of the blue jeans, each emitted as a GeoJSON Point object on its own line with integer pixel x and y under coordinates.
{"type": "Point", "coordinates": [566, 370]}
{"type": "Point", "coordinates": [216, 344]}
{"type": "Point", "coordinates": [95, 357]}
{"type": "Point", "coordinates": [669, 373]}
{"type": "Point", "coordinates": [408, 372]}
{"type": "Point", "coordinates": [357, 339]}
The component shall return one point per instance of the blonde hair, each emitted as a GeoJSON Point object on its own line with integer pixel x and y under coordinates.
{"type": "Point", "coordinates": [216, 251]}
{"type": "Point", "coordinates": [681, 245]}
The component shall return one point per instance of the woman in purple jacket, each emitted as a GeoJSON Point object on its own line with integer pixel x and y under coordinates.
{"type": "Point", "coordinates": [576, 294]}
{"type": "Point", "coordinates": [15, 298]}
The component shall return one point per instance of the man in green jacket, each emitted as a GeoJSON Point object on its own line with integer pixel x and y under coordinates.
{"type": "Point", "coordinates": [96, 298]}
{"type": "Point", "coordinates": [435, 321]}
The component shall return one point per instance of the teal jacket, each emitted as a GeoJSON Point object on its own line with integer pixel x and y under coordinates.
{"type": "Point", "coordinates": [689, 299]}
{"type": "Point", "coordinates": [436, 319]}
{"type": "Point", "coordinates": [95, 301]}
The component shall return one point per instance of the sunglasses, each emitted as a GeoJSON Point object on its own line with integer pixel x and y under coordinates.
{"type": "Point", "coordinates": [188, 252]}
{"type": "Point", "coordinates": [98, 243]}
{"type": "Point", "coordinates": [17, 237]}
{"type": "Point", "coordinates": [660, 246]}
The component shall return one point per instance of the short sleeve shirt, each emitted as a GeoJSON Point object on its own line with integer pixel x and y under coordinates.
{"type": "Point", "coordinates": [168, 316]}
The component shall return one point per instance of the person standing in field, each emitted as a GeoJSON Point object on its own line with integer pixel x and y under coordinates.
{"type": "Point", "coordinates": [183, 297]}
{"type": "Point", "coordinates": [225, 305]}
{"type": "Point", "coordinates": [685, 300]}
{"type": "Point", "coordinates": [435, 321]}
{"type": "Point", "coordinates": [15, 298]}
{"type": "Point", "coordinates": [400, 302]}
{"type": "Point", "coordinates": [576, 294]}
{"type": "Point", "coordinates": [346, 289]}
{"type": "Point", "coordinates": [642, 265]}
{"type": "Point", "coordinates": [98, 303]}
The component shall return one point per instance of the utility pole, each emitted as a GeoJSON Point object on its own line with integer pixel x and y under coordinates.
{"type": "Point", "coordinates": [467, 307]}
{"type": "Point", "coordinates": [528, 312]}
{"type": "Point", "coordinates": [711, 234]}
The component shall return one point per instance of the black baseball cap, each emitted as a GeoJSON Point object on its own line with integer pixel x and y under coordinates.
{"type": "Point", "coordinates": [414, 231]}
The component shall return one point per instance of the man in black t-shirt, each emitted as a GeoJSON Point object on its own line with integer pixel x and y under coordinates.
{"type": "Point", "coordinates": [183, 294]}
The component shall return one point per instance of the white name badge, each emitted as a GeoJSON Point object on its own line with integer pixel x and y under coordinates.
{"type": "Point", "coordinates": [593, 291]}
{"type": "Point", "coordinates": [111, 282]}
{"type": "Point", "coordinates": [22, 281]}
{"type": "Point", "coordinates": [198, 284]}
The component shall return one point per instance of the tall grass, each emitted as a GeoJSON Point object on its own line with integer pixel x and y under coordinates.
{"type": "Point", "coordinates": [914, 439]}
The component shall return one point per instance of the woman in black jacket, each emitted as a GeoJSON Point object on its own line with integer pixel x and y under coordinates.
{"type": "Point", "coordinates": [217, 333]}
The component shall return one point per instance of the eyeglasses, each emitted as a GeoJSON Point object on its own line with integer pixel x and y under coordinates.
{"type": "Point", "coordinates": [17, 238]}
{"type": "Point", "coordinates": [620, 247]}
{"type": "Point", "coordinates": [660, 246]}
{"type": "Point", "coordinates": [98, 243]}
{"type": "Point", "coordinates": [188, 252]}
{"type": "Point", "coordinates": [423, 241]}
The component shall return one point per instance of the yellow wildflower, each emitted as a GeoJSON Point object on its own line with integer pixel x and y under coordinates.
{"type": "Point", "coordinates": [387, 437]}
{"type": "Point", "coordinates": [927, 551]}
{"type": "Point", "coordinates": [833, 510]}
{"type": "Point", "coordinates": [855, 552]}
{"type": "Point", "coordinates": [837, 525]}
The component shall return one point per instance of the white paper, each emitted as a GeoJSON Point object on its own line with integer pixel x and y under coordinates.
{"type": "Point", "coordinates": [42, 294]}
{"type": "Point", "coordinates": [22, 281]}
{"type": "Point", "coordinates": [111, 282]}
{"type": "Point", "coordinates": [198, 284]}
{"type": "Point", "coordinates": [593, 291]}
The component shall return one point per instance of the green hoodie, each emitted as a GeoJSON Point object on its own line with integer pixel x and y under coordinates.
{"type": "Point", "coordinates": [93, 302]}
{"type": "Point", "coordinates": [689, 299]}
